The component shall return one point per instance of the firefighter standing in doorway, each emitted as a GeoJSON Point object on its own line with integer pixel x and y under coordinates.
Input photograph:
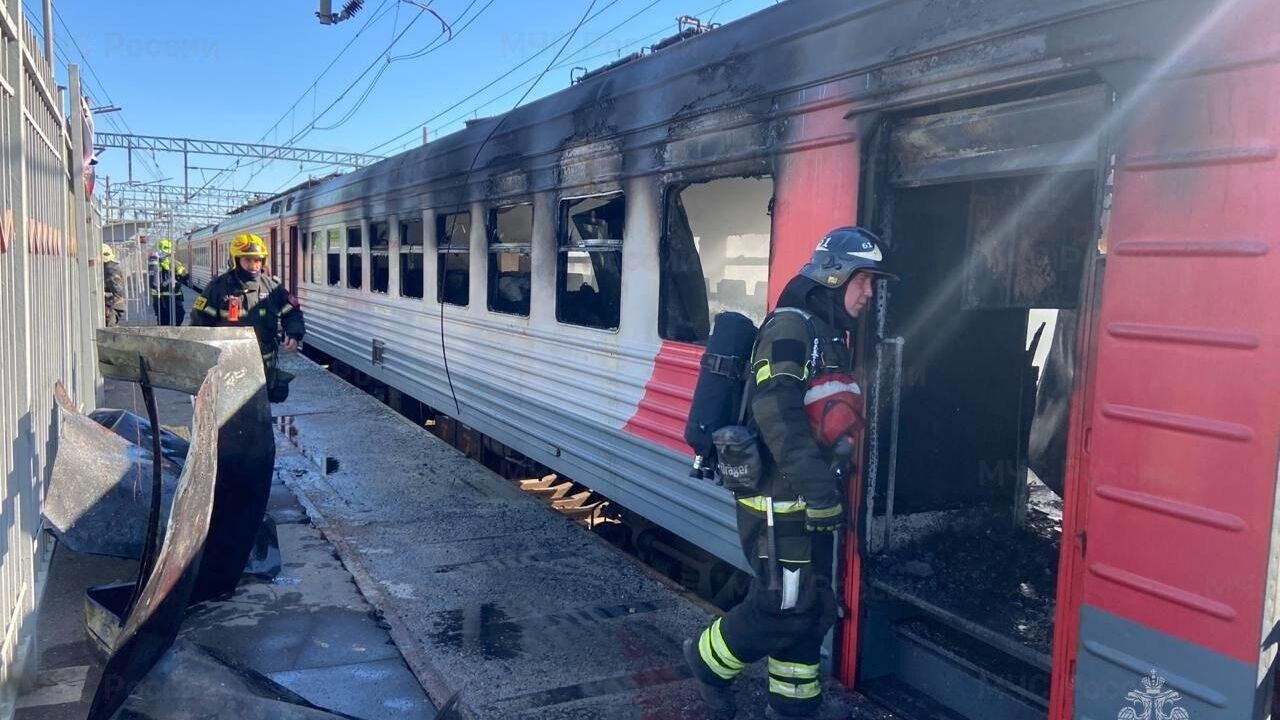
{"type": "Point", "coordinates": [245, 296]}
{"type": "Point", "coordinates": [167, 277]}
{"type": "Point", "coordinates": [113, 292]}
{"type": "Point", "coordinates": [801, 351]}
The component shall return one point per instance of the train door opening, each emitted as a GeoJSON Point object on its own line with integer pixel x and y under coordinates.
{"type": "Point", "coordinates": [991, 215]}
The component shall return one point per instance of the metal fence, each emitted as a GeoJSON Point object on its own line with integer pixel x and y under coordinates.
{"type": "Point", "coordinates": [50, 303]}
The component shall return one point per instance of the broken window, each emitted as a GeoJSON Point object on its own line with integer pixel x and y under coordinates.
{"type": "Point", "coordinates": [355, 262]}
{"type": "Point", "coordinates": [379, 256]}
{"type": "Point", "coordinates": [411, 258]}
{"type": "Point", "coordinates": [589, 266]}
{"type": "Point", "coordinates": [453, 255]}
{"type": "Point", "coordinates": [510, 247]}
{"type": "Point", "coordinates": [714, 254]}
{"type": "Point", "coordinates": [335, 257]}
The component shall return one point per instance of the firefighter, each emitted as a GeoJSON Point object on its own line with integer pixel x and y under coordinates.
{"type": "Point", "coordinates": [791, 604]}
{"type": "Point", "coordinates": [245, 296]}
{"type": "Point", "coordinates": [167, 278]}
{"type": "Point", "coordinates": [113, 292]}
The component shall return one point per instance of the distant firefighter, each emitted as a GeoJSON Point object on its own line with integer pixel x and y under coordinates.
{"type": "Point", "coordinates": [166, 278]}
{"type": "Point", "coordinates": [113, 292]}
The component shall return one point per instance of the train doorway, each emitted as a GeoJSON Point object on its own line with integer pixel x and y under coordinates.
{"type": "Point", "coordinates": [991, 214]}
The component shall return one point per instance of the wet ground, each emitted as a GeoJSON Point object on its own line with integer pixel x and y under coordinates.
{"type": "Point", "coordinates": [309, 629]}
{"type": "Point", "coordinates": [487, 591]}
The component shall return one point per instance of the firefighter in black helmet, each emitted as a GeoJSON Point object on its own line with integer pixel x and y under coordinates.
{"type": "Point", "coordinates": [246, 296]}
{"type": "Point", "coordinates": [801, 341]}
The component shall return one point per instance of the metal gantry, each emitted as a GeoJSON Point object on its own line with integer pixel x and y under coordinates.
{"type": "Point", "coordinates": [197, 146]}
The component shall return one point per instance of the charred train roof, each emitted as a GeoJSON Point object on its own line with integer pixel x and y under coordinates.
{"type": "Point", "coordinates": [727, 96]}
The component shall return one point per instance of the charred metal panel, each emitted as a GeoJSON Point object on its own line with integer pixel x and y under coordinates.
{"type": "Point", "coordinates": [1028, 240]}
{"type": "Point", "coordinates": [178, 358]}
{"type": "Point", "coordinates": [153, 624]}
{"type": "Point", "coordinates": [100, 490]}
{"type": "Point", "coordinates": [1054, 132]}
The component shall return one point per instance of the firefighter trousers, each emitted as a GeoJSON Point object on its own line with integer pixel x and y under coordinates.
{"type": "Point", "coordinates": [169, 310]}
{"type": "Point", "coordinates": [759, 627]}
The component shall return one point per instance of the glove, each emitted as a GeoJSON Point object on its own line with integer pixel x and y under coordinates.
{"type": "Point", "coordinates": [824, 518]}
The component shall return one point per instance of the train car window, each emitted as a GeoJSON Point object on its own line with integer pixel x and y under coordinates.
{"type": "Point", "coordinates": [714, 255]}
{"type": "Point", "coordinates": [411, 259]}
{"type": "Point", "coordinates": [589, 263]}
{"type": "Point", "coordinates": [510, 248]}
{"type": "Point", "coordinates": [317, 257]}
{"type": "Point", "coordinates": [379, 256]}
{"type": "Point", "coordinates": [334, 245]}
{"type": "Point", "coordinates": [355, 262]}
{"type": "Point", "coordinates": [453, 248]}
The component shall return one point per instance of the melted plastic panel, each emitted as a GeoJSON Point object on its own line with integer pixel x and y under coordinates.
{"type": "Point", "coordinates": [100, 491]}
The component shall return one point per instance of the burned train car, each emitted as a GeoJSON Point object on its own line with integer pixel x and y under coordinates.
{"type": "Point", "coordinates": [1078, 195]}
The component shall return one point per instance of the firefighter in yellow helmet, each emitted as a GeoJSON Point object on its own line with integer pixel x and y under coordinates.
{"type": "Point", "coordinates": [166, 278]}
{"type": "Point", "coordinates": [245, 296]}
{"type": "Point", "coordinates": [113, 290]}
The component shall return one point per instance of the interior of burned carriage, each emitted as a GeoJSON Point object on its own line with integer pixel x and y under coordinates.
{"type": "Point", "coordinates": [991, 207]}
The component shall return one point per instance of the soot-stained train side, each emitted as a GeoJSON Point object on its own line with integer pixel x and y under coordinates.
{"type": "Point", "coordinates": [1078, 157]}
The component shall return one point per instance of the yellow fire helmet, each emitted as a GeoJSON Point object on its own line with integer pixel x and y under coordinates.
{"type": "Point", "coordinates": [248, 245]}
{"type": "Point", "coordinates": [108, 255]}
{"type": "Point", "coordinates": [165, 246]}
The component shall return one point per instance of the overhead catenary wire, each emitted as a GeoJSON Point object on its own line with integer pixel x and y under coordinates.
{"type": "Point", "coordinates": [377, 13]}
{"type": "Point", "coordinates": [431, 47]}
{"type": "Point", "coordinates": [149, 163]}
{"type": "Point", "coordinates": [500, 78]}
{"type": "Point", "coordinates": [565, 63]}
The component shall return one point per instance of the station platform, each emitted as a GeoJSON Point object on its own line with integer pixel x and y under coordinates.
{"type": "Point", "coordinates": [488, 592]}
{"type": "Point", "coordinates": [308, 629]}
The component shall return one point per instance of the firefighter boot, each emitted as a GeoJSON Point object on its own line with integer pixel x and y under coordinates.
{"type": "Point", "coordinates": [718, 698]}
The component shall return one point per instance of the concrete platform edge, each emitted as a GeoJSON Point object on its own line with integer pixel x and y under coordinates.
{"type": "Point", "coordinates": [431, 680]}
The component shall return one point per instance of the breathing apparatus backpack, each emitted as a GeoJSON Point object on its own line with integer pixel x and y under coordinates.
{"type": "Point", "coordinates": [726, 451]}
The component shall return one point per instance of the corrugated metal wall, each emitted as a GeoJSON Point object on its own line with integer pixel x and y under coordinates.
{"type": "Point", "coordinates": [50, 303]}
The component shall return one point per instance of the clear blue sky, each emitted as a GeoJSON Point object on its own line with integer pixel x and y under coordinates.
{"type": "Point", "coordinates": [229, 69]}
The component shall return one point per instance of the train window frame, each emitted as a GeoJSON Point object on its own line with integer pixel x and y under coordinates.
{"type": "Point", "coordinates": [604, 247]}
{"type": "Point", "coordinates": [687, 320]}
{"type": "Point", "coordinates": [355, 273]}
{"type": "Point", "coordinates": [333, 247]}
{"type": "Point", "coordinates": [380, 256]}
{"type": "Point", "coordinates": [316, 258]}
{"type": "Point", "coordinates": [446, 251]}
{"type": "Point", "coordinates": [406, 251]}
{"type": "Point", "coordinates": [498, 248]}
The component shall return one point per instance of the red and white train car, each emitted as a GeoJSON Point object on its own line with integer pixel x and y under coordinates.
{"type": "Point", "coordinates": [1113, 161]}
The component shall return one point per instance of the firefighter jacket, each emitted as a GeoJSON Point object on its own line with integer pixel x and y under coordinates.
{"type": "Point", "coordinates": [113, 285]}
{"type": "Point", "coordinates": [792, 348]}
{"type": "Point", "coordinates": [264, 304]}
{"type": "Point", "coordinates": [165, 277]}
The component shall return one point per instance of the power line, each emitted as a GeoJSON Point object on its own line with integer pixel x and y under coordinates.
{"type": "Point", "coordinates": [535, 80]}
{"type": "Point", "coordinates": [563, 64]}
{"type": "Point", "coordinates": [495, 81]}
{"type": "Point", "coordinates": [466, 179]}
{"type": "Point", "coordinates": [373, 17]}
{"type": "Point", "coordinates": [429, 48]}
{"type": "Point", "coordinates": [155, 168]}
